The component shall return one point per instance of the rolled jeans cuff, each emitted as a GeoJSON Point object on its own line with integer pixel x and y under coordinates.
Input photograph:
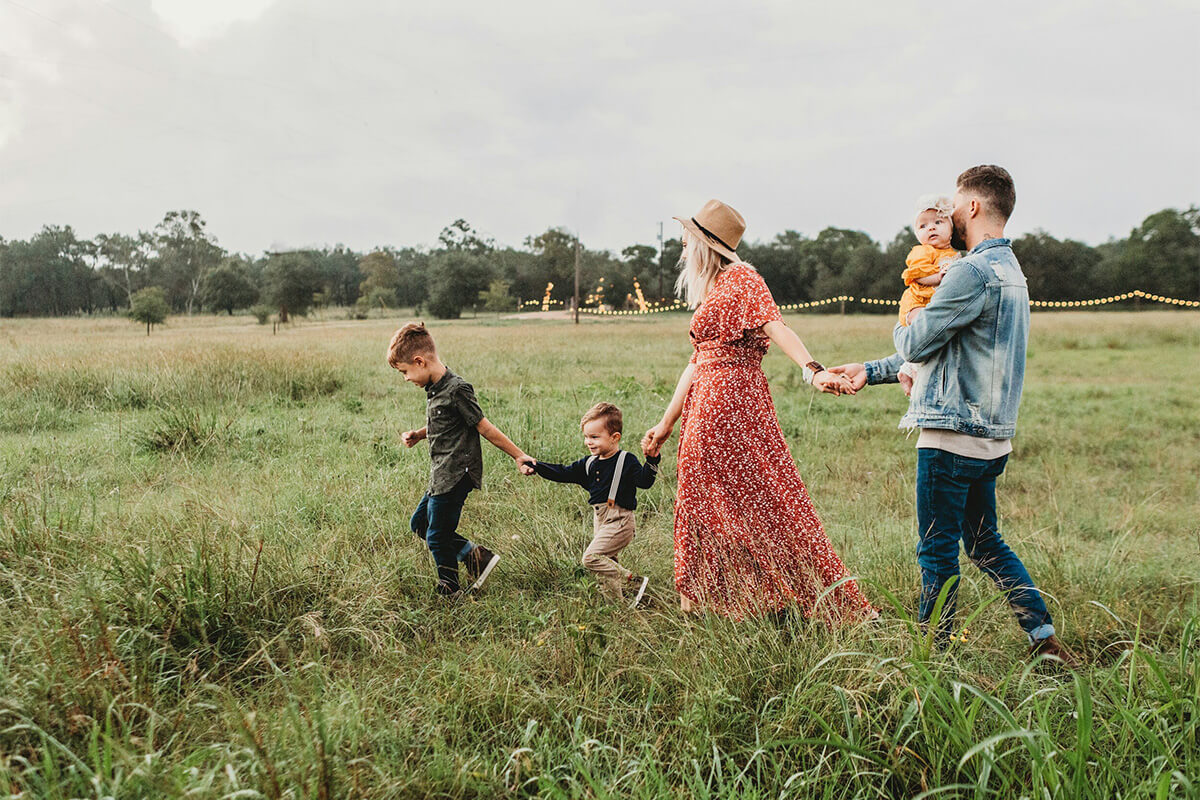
{"type": "Point", "coordinates": [1041, 632]}
{"type": "Point", "coordinates": [469, 546]}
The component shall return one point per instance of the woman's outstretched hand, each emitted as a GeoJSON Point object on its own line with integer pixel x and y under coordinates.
{"type": "Point", "coordinates": [830, 383]}
{"type": "Point", "coordinates": [652, 442]}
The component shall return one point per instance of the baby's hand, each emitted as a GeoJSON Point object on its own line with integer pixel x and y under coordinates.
{"type": "Point", "coordinates": [525, 464]}
{"type": "Point", "coordinates": [906, 381]}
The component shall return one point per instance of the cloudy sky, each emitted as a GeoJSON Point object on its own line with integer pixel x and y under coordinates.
{"type": "Point", "coordinates": [368, 122]}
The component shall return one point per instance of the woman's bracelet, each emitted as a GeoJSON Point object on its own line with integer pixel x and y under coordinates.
{"type": "Point", "coordinates": [810, 371]}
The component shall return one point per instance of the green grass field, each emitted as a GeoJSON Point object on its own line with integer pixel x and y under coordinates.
{"type": "Point", "coordinates": [208, 587]}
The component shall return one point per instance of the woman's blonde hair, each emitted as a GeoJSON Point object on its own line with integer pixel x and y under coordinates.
{"type": "Point", "coordinates": [699, 267]}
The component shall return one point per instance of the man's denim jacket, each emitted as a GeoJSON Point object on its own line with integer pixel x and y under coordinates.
{"type": "Point", "coordinates": [972, 339]}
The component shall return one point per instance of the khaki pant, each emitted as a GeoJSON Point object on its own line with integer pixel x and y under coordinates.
{"type": "Point", "coordinates": [614, 529]}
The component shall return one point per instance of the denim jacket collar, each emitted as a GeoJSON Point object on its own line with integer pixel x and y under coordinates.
{"type": "Point", "coordinates": [987, 243]}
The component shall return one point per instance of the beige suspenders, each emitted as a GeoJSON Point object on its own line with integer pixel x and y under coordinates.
{"type": "Point", "coordinates": [617, 472]}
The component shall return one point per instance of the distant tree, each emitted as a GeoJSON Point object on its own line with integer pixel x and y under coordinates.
{"type": "Point", "coordinates": [1057, 270]}
{"type": "Point", "coordinates": [784, 263]}
{"type": "Point", "coordinates": [459, 235]}
{"type": "Point", "coordinates": [227, 287]}
{"type": "Point", "coordinates": [1162, 255]}
{"type": "Point", "coordinates": [618, 278]}
{"type": "Point", "coordinates": [899, 247]}
{"type": "Point", "coordinates": [523, 271]}
{"type": "Point", "coordinates": [379, 272]}
{"type": "Point", "coordinates": [149, 306]}
{"type": "Point", "coordinates": [376, 298]}
{"type": "Point", "coordinates": [456, 279]}
{"type": "Point", "coordinates": [828, 256]}
{"type": "Point", "coordinates": [340, 274]}
{"type": "Point", "coordinates": [122, 261]}
{"type": "Point", "coordinates": [497, 297]}
{"type": "Point", "coordinates": [554, 262]}
{"type": "Point", "coordinates": [640, 261]}
{"type": "Point", "coordinates": [668, 266]}
{"type": "Point", "coordinates": [49, 274]}
{"type": "Point", "coordinates": [290, 281]}
{"type": "Point", "coordinates": [186, 251]}
{"type": "Point", "coordinates": [412, 285]}
{"type": "Point", "coordinates": [885, 283]}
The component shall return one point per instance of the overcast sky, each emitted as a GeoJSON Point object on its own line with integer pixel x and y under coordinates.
{"type": "Point", "coordinates": [372, 122]}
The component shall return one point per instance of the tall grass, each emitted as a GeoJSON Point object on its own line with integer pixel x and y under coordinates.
{"type": "Point", "coordinates": [213, 593]}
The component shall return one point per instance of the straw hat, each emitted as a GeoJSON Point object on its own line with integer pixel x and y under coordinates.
{"type": "Point", "coordinates": [718, 225]}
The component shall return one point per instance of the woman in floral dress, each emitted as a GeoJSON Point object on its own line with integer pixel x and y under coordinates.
{"type": "Point", "coordinates": [747, 539]}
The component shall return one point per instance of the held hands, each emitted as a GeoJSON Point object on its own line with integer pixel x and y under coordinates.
{"type": "Point", "coordinates": [653, 441]}
{"type": "Point", "coordinates": [828, 381]}
{"type": "Point", "coordinates": [410, 438]}
{"type": "Point", "coordinates": [525, 464]}
{"type": "Point", "coordinates": [856, 374]}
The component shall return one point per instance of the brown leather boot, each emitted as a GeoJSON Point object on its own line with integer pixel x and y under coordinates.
{"type": "Point", "coordinates": [1051, 646]}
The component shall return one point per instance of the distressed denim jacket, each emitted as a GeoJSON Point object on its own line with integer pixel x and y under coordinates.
{"type": "Point", "coordinates": [972, 339]}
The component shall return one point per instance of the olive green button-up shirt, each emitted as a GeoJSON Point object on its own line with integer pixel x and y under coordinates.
{"type": "Point", "coordinates": [452, 413]}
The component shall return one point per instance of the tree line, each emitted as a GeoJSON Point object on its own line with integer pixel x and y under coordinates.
{"type": "Point", "coordinates": [178, 266]}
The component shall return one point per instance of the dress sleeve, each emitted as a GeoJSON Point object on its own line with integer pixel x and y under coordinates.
{"type": "Point", "coordinates": [921, 263]}
{"type": "Point", "coordinates": [748, 306]}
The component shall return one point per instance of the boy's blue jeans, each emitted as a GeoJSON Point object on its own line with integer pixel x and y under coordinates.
{"type": "Point", "coordinates": [436, 521]}
{"type": "Point", "coordinates": [956, 499]}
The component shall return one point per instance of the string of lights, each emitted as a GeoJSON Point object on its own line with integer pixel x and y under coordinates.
{"type": "Point", "coordinates": [1116, 298]}
{"type": "Point", "coordinates": [677, 305]}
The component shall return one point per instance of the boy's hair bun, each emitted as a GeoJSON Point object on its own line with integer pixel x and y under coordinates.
{"type": "Point", "coordinates": [410, 341]}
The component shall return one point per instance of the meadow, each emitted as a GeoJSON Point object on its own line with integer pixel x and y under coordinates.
{"type": "Point", "coordinates": [208, 587]}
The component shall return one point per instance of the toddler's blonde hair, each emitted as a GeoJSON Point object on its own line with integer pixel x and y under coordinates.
{"type": "Point", "coordinates": [607, 412]}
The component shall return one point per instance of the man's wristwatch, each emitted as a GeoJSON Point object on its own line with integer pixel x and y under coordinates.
{"type": "Point", "coordinates": [811, 369]}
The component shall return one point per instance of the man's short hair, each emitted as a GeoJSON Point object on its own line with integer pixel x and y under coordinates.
{"type": "Point", "coordinates": [410, 341]}
{"type": "Point", "coordinates": [607, 412]}
{"type": "Point", "coordinates": [994, 185]}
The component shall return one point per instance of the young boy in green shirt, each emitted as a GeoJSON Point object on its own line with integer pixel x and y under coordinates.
{"type": "Point", "coordinates": [454, 423]}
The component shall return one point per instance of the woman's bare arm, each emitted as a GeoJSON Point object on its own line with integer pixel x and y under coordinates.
{"type": "Point", "coordinates": [654, 438]}
{"type": "Point", "coordinates": [786, 340]}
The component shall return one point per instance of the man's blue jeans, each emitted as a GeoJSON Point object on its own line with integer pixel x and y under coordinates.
{"type": "Point", "coordinates": [436, 521]}
{"type": "Point", "coordinates": [956, 499]}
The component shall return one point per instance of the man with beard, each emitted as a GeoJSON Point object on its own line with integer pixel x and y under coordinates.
{"type": "Point", "coordinates": [972, 337]}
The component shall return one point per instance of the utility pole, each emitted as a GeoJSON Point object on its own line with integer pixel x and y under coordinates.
{"type": "Point", "coordinates": [662, 268]}
{"type": "Point", "coordinates": [576, 277]}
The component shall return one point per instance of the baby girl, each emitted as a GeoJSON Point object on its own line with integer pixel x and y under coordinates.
{"type": "Point", "coordinates": [927, 262]}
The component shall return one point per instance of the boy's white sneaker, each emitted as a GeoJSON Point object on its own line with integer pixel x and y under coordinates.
{"type": "Point", "coordinates": [641, 581]}
{"type": "Point", "coordinates": [479, 563]}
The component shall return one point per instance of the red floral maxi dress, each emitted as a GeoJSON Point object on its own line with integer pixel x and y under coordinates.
{"type": "Point", "coordinates": [747, 539]}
